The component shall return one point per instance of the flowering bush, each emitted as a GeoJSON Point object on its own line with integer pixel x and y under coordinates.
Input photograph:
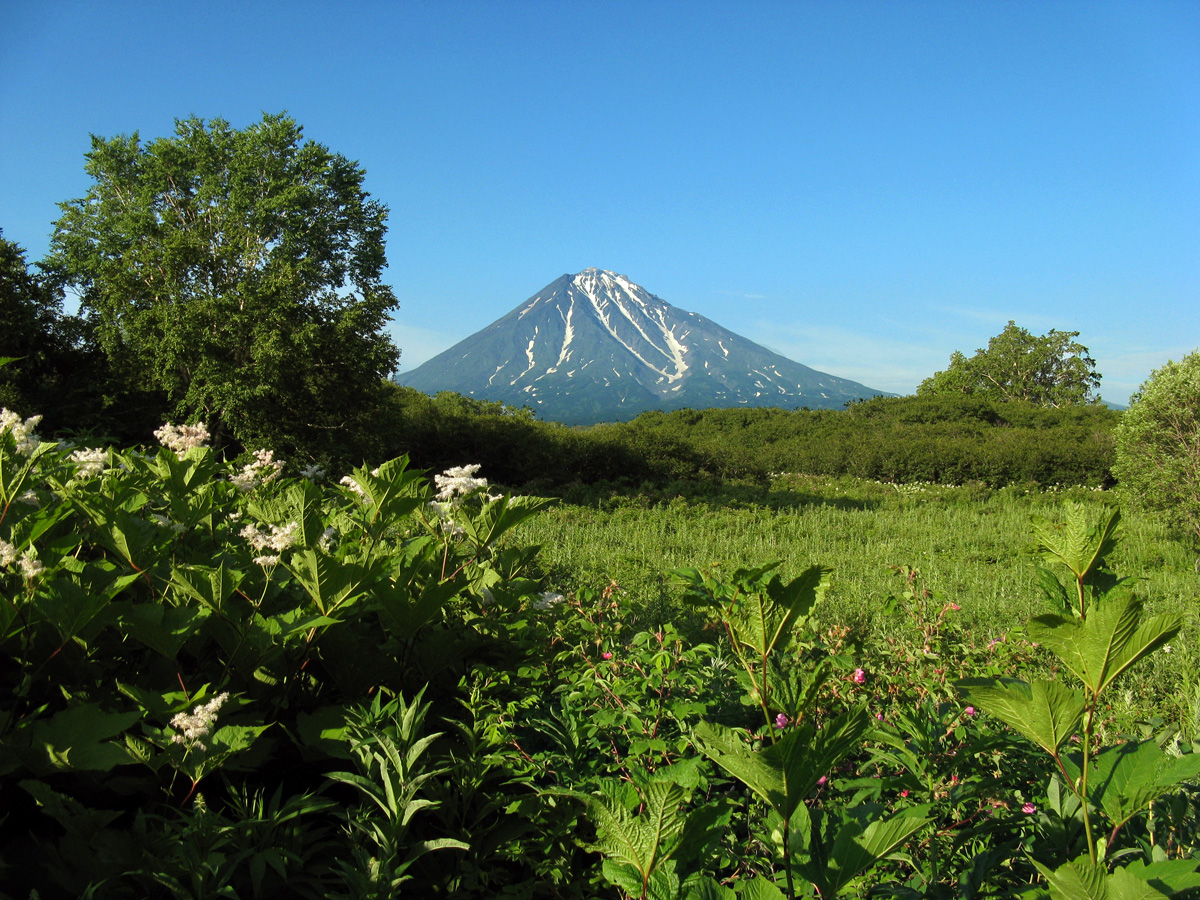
{"type": "Point", "coordinates": [263, 686]}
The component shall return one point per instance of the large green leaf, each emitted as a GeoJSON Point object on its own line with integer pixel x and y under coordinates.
{"type": "Point", "coordinates": [855, 849]}
{"type": "Point", "coordinates": [1111, 639]}
{"type": "Point", "coordinates": [1081, 879]}
{"type": "Point", "coordinates": [79, 738]}
{"type": "Point", "coordinates": [1079, 543]}
{"type": "Point", "coordinates": [786, 773]}
{"type": "Point", "coordinates": [1128, 777]}
{"type": "Point", "coordinates": [1046, 712]}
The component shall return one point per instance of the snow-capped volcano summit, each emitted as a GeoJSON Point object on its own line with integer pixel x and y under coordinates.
{"type": "Point", "coordinates": [596, 347]}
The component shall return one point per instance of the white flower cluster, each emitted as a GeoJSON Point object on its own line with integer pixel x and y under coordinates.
{"type": "Point", "coordinates": [449, 526]}
{"type": "Point", "coordinates": [312, 472]}
{"type": "Point", "coordinates": [278, 539]}
{"type": "Point", "coordinates": [22, 432]}
{"type": "Point", "coordinates": [89, 463]}
{"type": "Point", "coordinates": [197, 725]}
{"type": "Point", "coordinates": [8, 553]}
{"type": "Point", "coordinates": [458, 482]}
{"type": "Point", "coordinates": [31, 567]}
{"type": "Point", "coordinates": [164, 522]}
{"type": "Point", "coordinates": [182, 438]}
{"type": "Point", "coordinates": [264, 468]}
{"type": "Point", "coordinates": [348, 481]}
{"type": "Point", "coordinates": [547, 599]}
{"type": "Point", "coordinates": [327, 538]}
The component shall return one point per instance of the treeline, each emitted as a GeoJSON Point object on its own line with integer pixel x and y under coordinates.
{"type": "Point", "coordinates": [949, 440]}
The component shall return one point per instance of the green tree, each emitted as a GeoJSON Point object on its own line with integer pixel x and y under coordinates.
{"type": "Point", "coordinates": [1158, 444]}
{"type": "Point", "coordinates": [237, 272]}
{"type": "Point", "coordinates": [52, 371]}
{"type": "Point", "coordinates": [1051, 370]}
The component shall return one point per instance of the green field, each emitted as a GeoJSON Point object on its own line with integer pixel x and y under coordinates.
{"type": "Point", "coordinates": [971, 546]}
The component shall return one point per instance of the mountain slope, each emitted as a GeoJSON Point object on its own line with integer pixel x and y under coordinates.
{"type": "Point", "coordinates": [596, 347]}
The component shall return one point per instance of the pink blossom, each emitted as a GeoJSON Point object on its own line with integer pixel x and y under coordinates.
{"type": "Point", "coordinates": [859, 676]}
{"type": "Point", "coordinates": [606, 655]}
{"type": "Point", "coordinates": [904, 793]}
{"type": "Point", "coordinates": [1028, 809]}
{"type": "Point", "coordinates": [822, 780]}
{"type": "Point", "coordinates": [970, 712]}
{"type": "Point", "coordinates": [781, 721]}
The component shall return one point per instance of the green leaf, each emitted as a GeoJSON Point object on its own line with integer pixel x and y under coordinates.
{"type": "Point", "coordinates": [1046, 712]}
{"type": "Point", "coordinates": [1080, 543]}
{"type": "Point", "coordinates": [161, 627]}
{"type": "Point", "coordinates": [856, 849]}
{"type": "Point", "coordinates": [1110, 640]}
{"type": "Point", "coordinates": [786, 773]}
{"type": "Point", "coordinates": [78, 738]}
{"type": "Point", "coordinates": [1128, 777]}
{"type": "Point", "coordinates": [1171, 876]}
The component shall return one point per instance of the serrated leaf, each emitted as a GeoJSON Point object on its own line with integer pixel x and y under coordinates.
{"type": "Point", "coordinates": [1046, 712]}
{"type": "Point", "coordinates": [1111, 639]}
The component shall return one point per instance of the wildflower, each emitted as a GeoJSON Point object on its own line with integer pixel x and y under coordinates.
{"type": "Point", "coordinates": [8, 553]}
{"type": "Point", "coordinates": [29, 498]}
{"type": "Point", "coordinates": [548, 599]}
{"type": "Point", "coordinates": [89, 463]}
{"type": "Point", "coordinates": [904, 793]}
{"type": "Point", "coordinates": [197, 725]}
{"type": "Point", "coordinates": [22, 432]}
{"type": "Point", "coordinates": [182, 438]}
{"type": "Point", "coordinates": [954, 606]}
{"type": "Point", "coordinates": [312, 472]}
{"type": "Point", "coordinates": [1029, 809]}
{"type": "Point", "coordinates": [31, 567]}
{"type": "Point", "coordinates": [163, 522]}
{"type": "Point", "coordinates": [1167, 648]}
{"type": "Point", "coordinates": [606, 655]}
{"type": "Point", "coordinates": [970, 712]}
{"type": "Point", "coordinates": [278, 539]}
{"type": "Point", "coordinates": [822, 780]}
{"type": "Point", "coordinates": [859, 676]}
{"type": "Point", "coordinates": [781, 721]}
{"type": "Point", "coordinates": [264, 468]}
{"type": "Point", "coordinates": [458, 482]}
{"type": "Point", "coordinates": [266, 561]}
{"type": "Point", "coordinates": [325, 541]}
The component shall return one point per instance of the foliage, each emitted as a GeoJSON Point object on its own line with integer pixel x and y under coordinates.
{"type": "Point", "coordinates": [1051, 370]}
{"type": "Point", "coordinates": [1158, 444]}
{"type": "Point", "coordinates": [49, 369]}
{"type": "Point", "coordinates": [236, 273]}
{"type": "Point", "coordinates": [948, 440]}
{"type": "Point", "coordinates": [222, 681]}
{"type": "Point", "coordinates": [1100, 633]}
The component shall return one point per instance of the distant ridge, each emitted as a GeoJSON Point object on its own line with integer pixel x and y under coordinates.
{"type": "Point", "coordinates": [595, 347]}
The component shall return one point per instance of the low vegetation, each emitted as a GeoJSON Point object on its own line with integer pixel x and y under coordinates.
{"type": "Point", "coordinates": [224, 681]}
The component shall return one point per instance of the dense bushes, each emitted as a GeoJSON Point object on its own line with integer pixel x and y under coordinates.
{"type": "Point", "coordinates": [950, 440]}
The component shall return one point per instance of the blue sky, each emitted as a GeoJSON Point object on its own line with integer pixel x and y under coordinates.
{"type": "Point", "coordinates": [862, 186]}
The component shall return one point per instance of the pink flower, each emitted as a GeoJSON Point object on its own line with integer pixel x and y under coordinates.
{"type": "Point", "coordinates": [859, 676]}
{"type": "Point", "coordinates": [955, 607]}
{"type": "Point", "coordinates": [781, 721]}
{"type": "Point", "coordinates": [904, 793]}
{"type": "Point", "coordinates": [970, 712]}
{"type": "Point", "coordinates": [879, 716]}
{"type": "Point", "coordinates": [1028, 809]}
{"type": "Point", "coordinates": [606, 655]}
{"type": "Point", "coordinates": [821, 781]}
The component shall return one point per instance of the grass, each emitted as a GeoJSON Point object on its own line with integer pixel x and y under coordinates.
{"type": "Point", "coordinates": [970, 545]}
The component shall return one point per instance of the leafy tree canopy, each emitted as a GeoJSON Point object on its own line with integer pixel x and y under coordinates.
{"type": "Point", "coordinates": [1051, 370]}
{"type": "Point", "coordinates": [1158, 444]}
{"type": "Point", "coordinates": [237, 272]}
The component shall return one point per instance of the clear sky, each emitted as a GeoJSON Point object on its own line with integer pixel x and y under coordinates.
{"type": "Point", "coordinates": [862, 186]}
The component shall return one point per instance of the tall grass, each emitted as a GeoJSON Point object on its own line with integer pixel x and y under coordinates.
{"type": "Point", "coordinates": [970, 545]}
